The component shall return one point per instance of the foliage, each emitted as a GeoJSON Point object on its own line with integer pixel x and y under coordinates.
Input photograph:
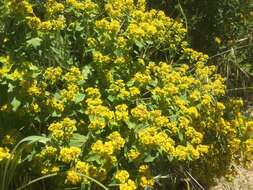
{"type": "Point", "coordinates": [123, 99]}
{"type": "Point", "coordinates": [222, 29]}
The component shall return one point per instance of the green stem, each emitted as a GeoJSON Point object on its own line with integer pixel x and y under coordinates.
{"type": "Point", "coordinates": [94, 180]}
{"type": "Point", "coordinates": [37, 179]}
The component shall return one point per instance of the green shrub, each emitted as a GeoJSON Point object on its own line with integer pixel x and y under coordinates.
{"type": "Point", "coordinates": [223, 30]}
{"type": "Point", "coordinates": [123, 99]}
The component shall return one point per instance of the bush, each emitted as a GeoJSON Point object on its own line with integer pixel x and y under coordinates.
{"type": "Point", "coordinates": [123, 99]}
{"type": "Point", "coordinates": [223, 30]}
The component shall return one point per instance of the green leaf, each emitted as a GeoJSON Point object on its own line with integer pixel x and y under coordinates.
{"type": "Point", "coordinates": [149, 158]}
{"type": "Point", "coordinates": [86, 71]}
{"type": "Point", "coordinates": [80, 97]}
{"type": "Point", "coordinates": [35, 138]}
{"type": "Point", "coordinates": [79, 28]}
{"type": "Point", "coordinates": [180, 136]}
{"type": "Point", "coordinates": [15, 104]}
{"type": "Point", "coordinates": [139, 44]}
{"type": "Point", "coordinates": [55, 114]}
{"type": "Point", "coordinates": [111, 98]}
{"type": "Point", "coordinates": [34, 42]}
{"type": "Point", "coordinates": [131, 125]}
{"type": "Point", "coordinates": [94, 157]}
{"type": "Point", "coordinates": [10, 87]}
{"type": "Point", "coordinates": [78, 140]}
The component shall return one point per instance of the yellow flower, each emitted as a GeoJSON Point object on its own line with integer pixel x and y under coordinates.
{"type": "Point", "coordinates": [63, 130]}
{"type": "Point", "coordinates": [102, 148]}
{"type": "Point", "coordinates": [49, 169]}
{"type": "Point", "coordinates": [119, 60]}
{"type": "Point", "coordinates": [53, 74]}
{"type": "Point", "coordinates": [48, 151]}
{"type": "Point", "coordinates": [146, 182]}
{"type": "Point", "coordinates": [133, 154]}
{"type": "Point", "coordinates": [4, 153]}
{"type": "Point", "coordinates": [100, 58]}
{"type": "Point", "coordinates": [72, 178]}
{"type": "Point", "coordinates": [34, 89]}
{"type": "Point", "coordinates": [69, 154]}
{"type": "Point", "coordinates": [144, 169]}
{"type": "Point", "coordinates": [140, 112]}
{"type": "Point", "coordinates": [54, 7]}
{"type": "Point", "coordinates": [35, 107]}
{"type": "Point", "coordinates": [129, 185]}
{"type": "Point", "coordinates": [82, 167]}
{"type": "Point", "coordinates": [121, 113]}
{"type": "Point", "coordinates": [217, 40]}
{"type": "Point", "coordinates": [121, 42]}
{"type": "Point", "coordinates": [116, 139]}
{"type": "Point", "coordinates": [93, 92]}
{"type": "Point", "coordinates": [70, 93]}
{"type": "Point", "coordinates": [56, 104]}
{"type": "Point", "coordinates": [97, 124]}
{"type": "Point", "coordinates": [122, 176]}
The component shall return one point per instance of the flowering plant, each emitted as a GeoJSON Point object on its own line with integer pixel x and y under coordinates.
{"type": "Point", "coordinates": [122, 97]}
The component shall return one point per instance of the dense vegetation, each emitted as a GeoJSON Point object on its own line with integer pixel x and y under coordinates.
{"type": "Point", "coordinates": [223, 29]}
{"type": "Point", "coordinates": [111, 94]}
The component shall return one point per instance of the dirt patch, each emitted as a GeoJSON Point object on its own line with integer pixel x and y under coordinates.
{"type": "Point", "coordinates": [242, 181]}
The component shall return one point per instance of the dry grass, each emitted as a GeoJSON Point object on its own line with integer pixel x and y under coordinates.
{"type": "Point", "coordinates": [242, 181]}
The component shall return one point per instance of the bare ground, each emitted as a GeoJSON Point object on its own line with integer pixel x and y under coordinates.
{"type": "Point", "coordinates": [242, 181]}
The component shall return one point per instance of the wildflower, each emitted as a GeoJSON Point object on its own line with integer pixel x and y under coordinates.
{"type": "Point", "coordinates": [129, 185]}
{"type": "Point", "coordinates": [217, 40]}
{"type": "Point", "coordinates": [122, 176]}
{"type": "Point", "coordinates": [4, 154]}
{"type": "Point", "coordinates": [133, 154]}
{"type": "Point", "coordinates": [69, 154]}
{"type": "Point", "coordinates": [146, 182]}
{"type": "Point", "coordinates": [72, 178]}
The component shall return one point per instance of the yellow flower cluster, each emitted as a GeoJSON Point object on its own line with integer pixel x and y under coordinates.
{"type": "Point", "coordinates": [53, 74]}
{"type": "Point", "coordinates": [34, 89]}
{"type": "Point", "coordinates": [193, 135]}
{"type": "Point", "coordinates": [112, 26]}
{"type": "Point", "coordinates": [118, 8]}
{"type": "Point", "coordinates": [48, 152]}
{"type": "Point", "coordinates": [50, 169]}
{"type": "Point", "coordinates": [100, 58]}
{"type": "Point", "coordinates": [151, 137]}
{"type": "Point", "coordinates": [140, 112]}
{"type": "Point", "coordinates": [133, 154]}
{"type": "Point", "coordinates": [56, 104]}
{"type": "Point", "coordinates": [54, 7]}
{"type": "Point", "coordinates": [146, 182]}
{"type": "Point", "coordinates": [129, 185]}
{"type": "Point", "coordinates": [69, 154]}
{"type": "Point", "coordinates": [63, 130]}
{"type": "Point", "coordinates": [121, 113]}
{"type": "Point", "coordinates": [70, 92]}
{"type": "Point", "coordinates": [122, 176]}
{"type": "Point", "coordinates": [73, 75]}
{"type": "Point", "coordinates": [98, 113]}
{"type": "Point", "coordinates": [86, 5]}
{"type": "Point", "coordinates": [119, 90]}
{"type": "Point", "coordinates": [115, 143]}
{"type": "Point", "coordinates": [4, 154]}
{"type": "Point", "coordinates": [82, 167]}
{"type": "Point", "coordinates": [110, 77]}
{"type": "Point", "coordinates": [189, 152]}
{"type": "Point", "coordinates": [49, 25]}
{"type": "Point", "coordinates": [73, 178]}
